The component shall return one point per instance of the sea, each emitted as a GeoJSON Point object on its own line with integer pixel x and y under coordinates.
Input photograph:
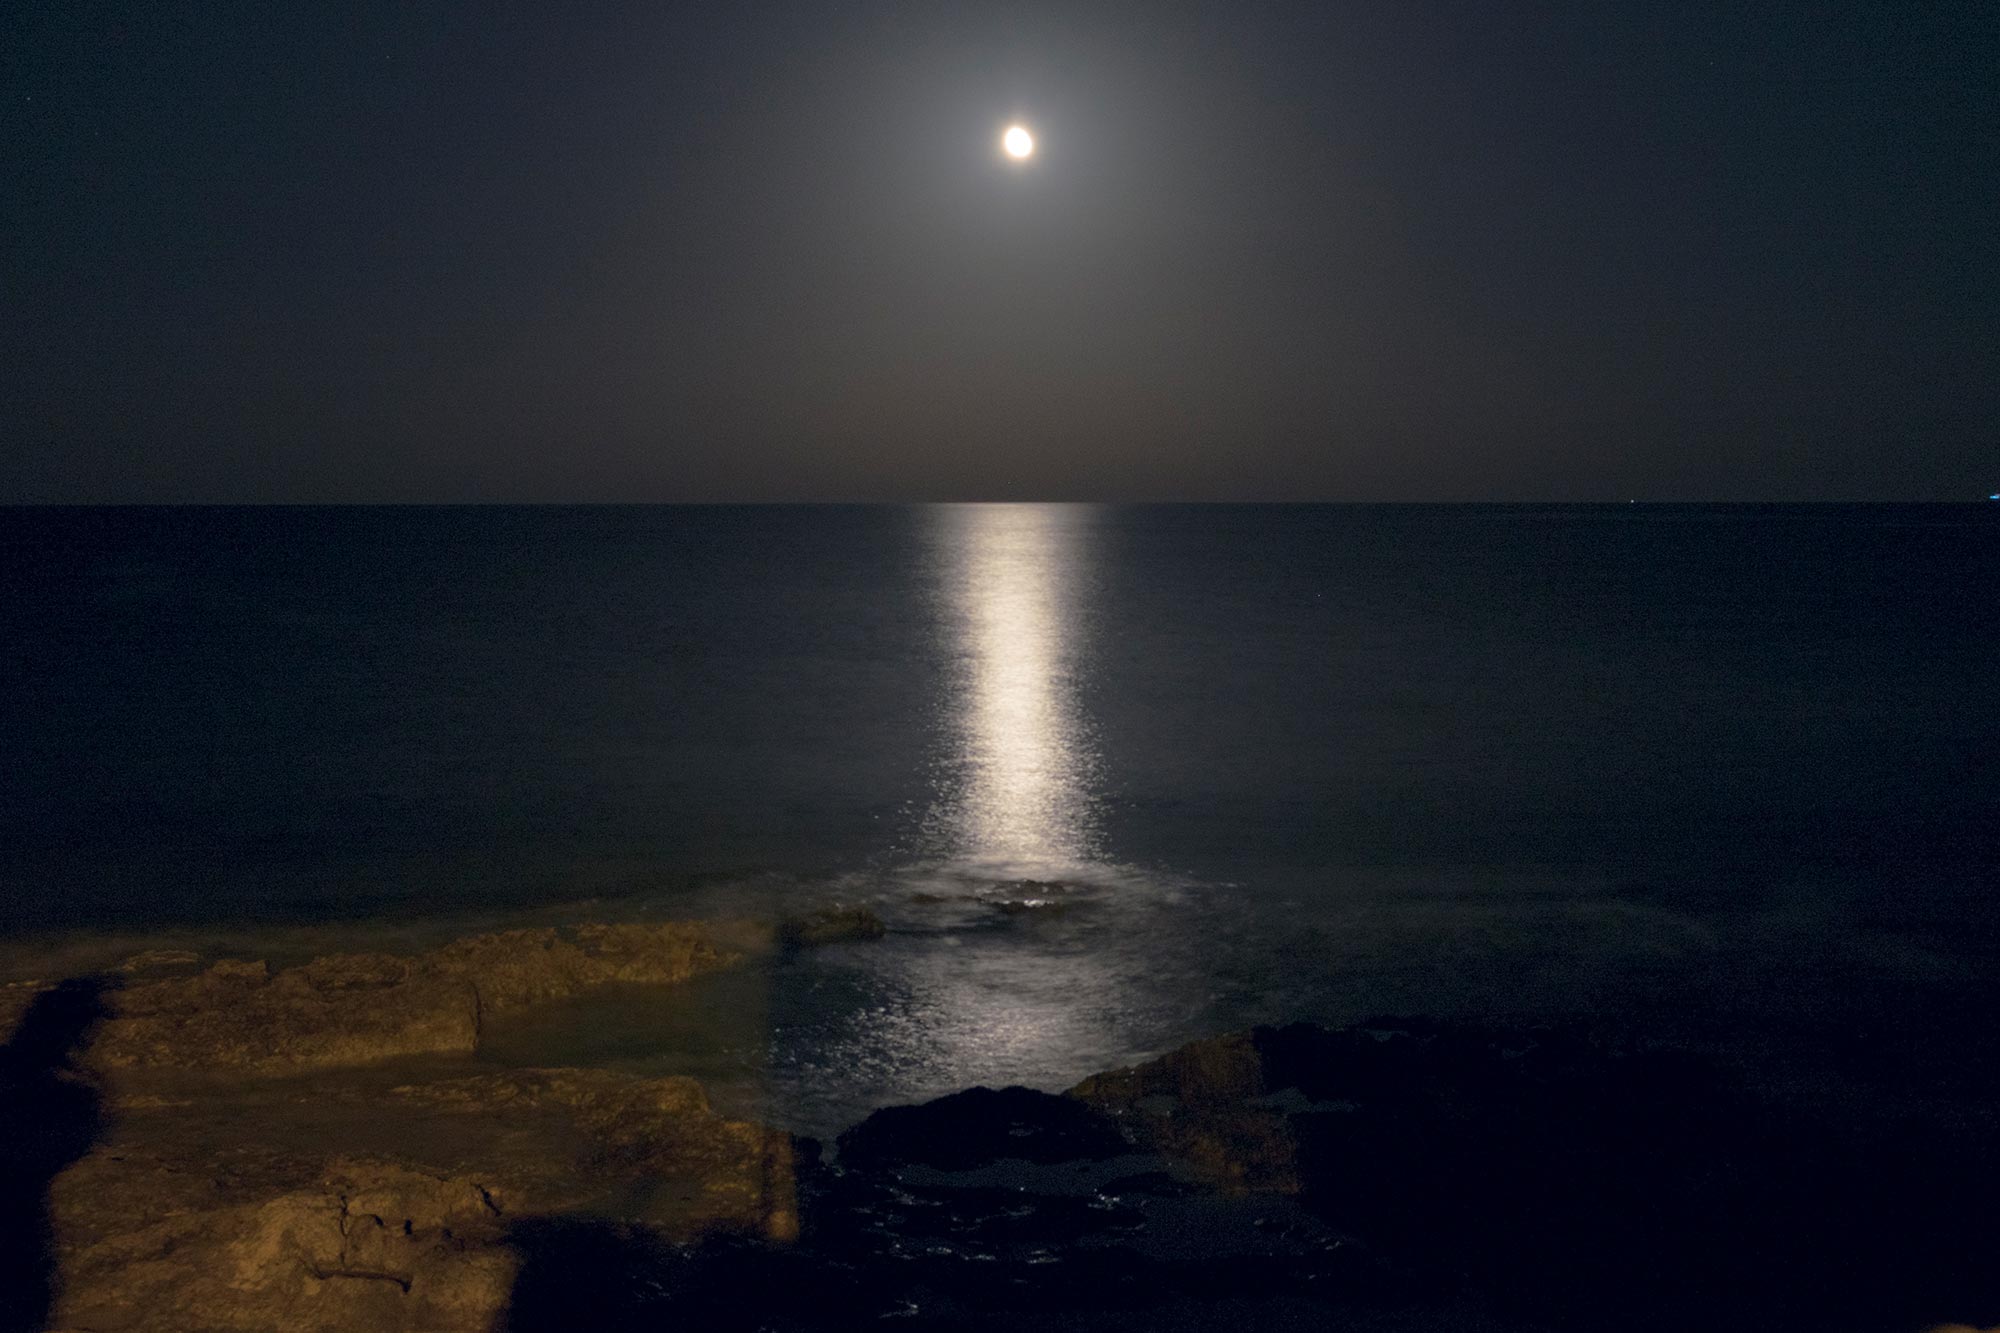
{"type": "Point", "coordinates": [1113, 776]}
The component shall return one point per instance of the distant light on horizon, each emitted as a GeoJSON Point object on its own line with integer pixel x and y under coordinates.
{"type": "Point", "coordinates": [1017, 143]}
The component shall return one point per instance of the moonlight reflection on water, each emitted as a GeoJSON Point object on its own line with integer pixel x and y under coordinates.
{"type": "Point", "coordinates": [1023, 805]}
{"type": "Point", "coordinates": [1018, 952]}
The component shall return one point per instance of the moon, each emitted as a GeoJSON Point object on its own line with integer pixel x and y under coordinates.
{"type": "Point", "coordinates": [1017, 143]}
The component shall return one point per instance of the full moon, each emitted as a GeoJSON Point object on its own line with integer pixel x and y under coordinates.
{"type": "Point", "coordinates": [1020, 144]}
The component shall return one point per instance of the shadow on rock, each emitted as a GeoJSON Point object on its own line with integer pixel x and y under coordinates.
{"type": "Point", "coordinates": [1578, 1183]}
{"type": "Point", "coordinates": [986, 1210]}
{"type": "Point", "coordinates": [50, 1115]}
{"type": "Point", "coordinates": [1401, 1175]}
{"type": "Point", "coordinates": [611, 1277]}
{"type": "Point", "coordinates": [981, 1125]}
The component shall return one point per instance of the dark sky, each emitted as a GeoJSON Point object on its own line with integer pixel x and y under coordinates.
{"type": "Point", "coordinates": [629, 251]}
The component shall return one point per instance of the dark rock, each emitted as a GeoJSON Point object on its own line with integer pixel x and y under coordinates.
{"type": "Point", "coordinates": [832, 925]}
{"type": "Point", "coordinates": [1149, 1184]}
{"type": "Point", "coordinates": [1025, 906]}
{"type": "Point", "coordinates": [979, 1126]}
{"type": "Point", "coordinates": [1038, 888]}
{"type": "Point", "coordinates": [51, 1115]}
{"type": "Point", "coordinates": [1197, 1105]}
{"type": "Point", "coordinates": [1571, 1181]}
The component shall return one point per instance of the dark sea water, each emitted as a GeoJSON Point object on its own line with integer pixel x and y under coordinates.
{"type": "Point", "coordinates": [1725, 770]}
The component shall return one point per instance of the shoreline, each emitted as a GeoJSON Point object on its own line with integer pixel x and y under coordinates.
{"type": "Point", "coordinates": [326, 1147]}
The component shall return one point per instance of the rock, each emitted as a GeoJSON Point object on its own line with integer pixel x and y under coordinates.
{"type": "Point", "coordinates": [15, 998]}
{"type": "Point", "coordinates": [1038, 888]}
{"type": "Point", "coordinates": [149, 1244]}
{"type": "Point", "coordinates": [50, 1116]}
{"type": "Point", "coordinates": [1023, 906]}
{"type": "Point", "coordinates": [1197, 1105]}
{"type": "Point", "coordinates": [521, 967]}
{"type": "Point", "coordinates": [832, 925]}
{"type": "Point", "coordinates": [346, 1204]}
{"type": "Point", "coordinates": [980, 1126]}
{"type": "Point", "coordinates": [347, 1010]}
{"type": "Point", "coordinates": [1574, 1180]}
{"type": "Point", "coordinates": [353, 1009]}
{"type": "Point", "coordinates": [704, 1174]}
{"type": "Point", "coordinates": [156, 960]}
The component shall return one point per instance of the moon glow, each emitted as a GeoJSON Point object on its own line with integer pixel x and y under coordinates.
{"type": "Point", "coordinates": [1017, 143]}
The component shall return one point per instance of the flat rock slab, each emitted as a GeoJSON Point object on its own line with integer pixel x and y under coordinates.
{"type": "Point", "coordinates": [358, 1203]}
{"type": "Point", "coordinates": [353, 1009]}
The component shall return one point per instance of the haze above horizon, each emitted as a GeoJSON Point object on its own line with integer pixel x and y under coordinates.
{"type": "Point", "coordinates": [1287, 252]}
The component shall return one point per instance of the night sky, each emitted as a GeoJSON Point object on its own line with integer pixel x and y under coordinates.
{"type": "Point", "coordinates": [628, 251]}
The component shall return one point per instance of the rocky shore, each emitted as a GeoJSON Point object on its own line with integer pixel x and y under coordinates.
{"type": "Point", "coordinates": [190, 1146]}
{"type": "Point", "coordinates": [355, 1009]}
{"type": "Point", "coordinates": [232, 1147]}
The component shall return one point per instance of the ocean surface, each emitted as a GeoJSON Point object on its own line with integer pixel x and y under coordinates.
{"type": "Point", "coordinates": [1115, 776]}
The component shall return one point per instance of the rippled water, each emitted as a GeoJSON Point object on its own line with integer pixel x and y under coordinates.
{"type": "Point", "coordinates": [1113, 776]}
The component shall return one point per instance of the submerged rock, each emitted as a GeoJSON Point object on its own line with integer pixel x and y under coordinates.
{"type": "Point", "coordinates": [1024, 906]}
{"type": "Point", "coordinates": [832, 925]}
{"type": "Point", "coordinates": [980, 1126]}
{"type": "Point", "coordinates": [1038, 888]}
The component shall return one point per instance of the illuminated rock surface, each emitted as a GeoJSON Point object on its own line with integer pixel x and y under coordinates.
{"type": "Point", "coordinates": [325, 1148]}
{"type": "Point", "coordinates": [350, 1203]}
{"type": "Point", "coordinates": [353, 1009]}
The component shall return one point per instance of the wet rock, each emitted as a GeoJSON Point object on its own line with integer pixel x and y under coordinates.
{"type": "Point", "coordinates": [997, 1210]}
{"type": "Point", "coordinates": [1037, 888]}
{"type": "Point", "coordinates": [353, 1009]}
{"type": "Point", "coordinates": [832, 925]}
{"type": "Point", "coordinates": [1218, 1071]}
{"type": "Point", "coordinates": [1397, 1175]}
{"type": "Point", "coordinates": [1198, 1106]}
{"type": "Point", "coordinates": [979, 1126]}
{"type": "Point", "coordinates": [1568, 1180]}
{"type": "Point", "coordinates": [1151, 1184]}
{"type": "Point", "coordinates": [1037, 897]}
{"type": "Point", "coordinates": [1025, 906]}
